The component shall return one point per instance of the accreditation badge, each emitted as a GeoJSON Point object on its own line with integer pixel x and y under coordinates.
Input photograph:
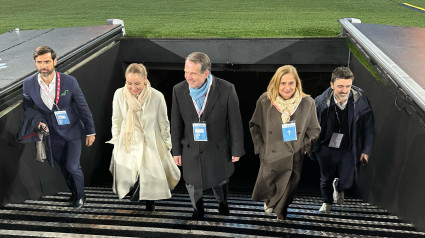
{"type": "Point", "coordinates": [62, 118]}
{"type": "Point", "coordinates": [289, 131]}
{"type": "Point", "coordinates": [336, 140]}
{"type": "Point", "coordinates": [200, 131]}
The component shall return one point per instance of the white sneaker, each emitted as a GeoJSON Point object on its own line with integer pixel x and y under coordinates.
{"type": "Point", "coordinates": [326, 207]}
{"type": "Point", "coordinates": [268, 209]}
{"type": "Point", "coordinates": [338, 197]}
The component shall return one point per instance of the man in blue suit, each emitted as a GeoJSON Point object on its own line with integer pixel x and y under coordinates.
{"type": "Point", "coordinates": [58, 99]}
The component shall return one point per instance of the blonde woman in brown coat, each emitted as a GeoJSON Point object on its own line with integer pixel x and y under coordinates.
{"type": "Point", "coordinates": [283, 126]}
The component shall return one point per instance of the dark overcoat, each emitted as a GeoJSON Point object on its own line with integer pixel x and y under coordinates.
{"type": "Point", "coordinates": [361, 122]}
{"type": "Point", "coordinates": [206, 164]}
{"type": "Point", "coordinates": [280, 162]}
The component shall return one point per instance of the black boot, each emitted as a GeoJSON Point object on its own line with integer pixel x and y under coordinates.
{"type": "Point", "coordinates": [198, 213]}
{"type": "Point", "coordinates": [150, 206]}
{"type": "Point", "coordinates": [223, 209]}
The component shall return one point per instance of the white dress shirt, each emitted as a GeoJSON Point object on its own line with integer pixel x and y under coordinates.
{"type": "Point", "coordinates": [49, 100]}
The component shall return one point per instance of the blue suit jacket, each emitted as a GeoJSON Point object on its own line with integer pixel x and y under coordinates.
{"type": "Point", "coordinates": [71, 99]}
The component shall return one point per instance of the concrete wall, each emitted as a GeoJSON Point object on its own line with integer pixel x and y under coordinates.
{"type": "Point", "coordinates": [394, 177]}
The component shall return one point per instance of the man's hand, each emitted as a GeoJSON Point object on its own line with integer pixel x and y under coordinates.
{"type": "Point", "coordinates": [90, 140]}
{"type": "Point", "coordinates": [178, 160]}
{"type": "Point", "coordinates": [235, 159]}
{"type": "Point", "coordinates": [364, 157]}
{"type": "Point", "coordinates": [40, 124]}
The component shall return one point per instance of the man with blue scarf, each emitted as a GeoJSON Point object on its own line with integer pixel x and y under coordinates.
{"type": "Point", "coordinates": [199, 94]}
{"type": "Point", "coordinates": [206, 132]}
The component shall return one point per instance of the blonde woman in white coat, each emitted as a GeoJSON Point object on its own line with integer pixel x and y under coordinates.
{"type": "Point", "coordinates": [141, 160]}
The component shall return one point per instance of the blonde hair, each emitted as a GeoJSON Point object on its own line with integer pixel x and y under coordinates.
{"type": "Point", "coordinates": [135, 68]}
{"type": "Point", "coordinates": [273, 88]}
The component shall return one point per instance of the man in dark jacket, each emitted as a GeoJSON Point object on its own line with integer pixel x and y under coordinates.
{"type": "Point", "coordinates": [206, 132]}
{"type": "Point", "coordinates": [346, 139]}
{"type": "Point", "coordinates": [64, 113]}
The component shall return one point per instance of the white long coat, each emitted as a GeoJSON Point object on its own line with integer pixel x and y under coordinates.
{"type": "Point", "coordinates": [149, 158]}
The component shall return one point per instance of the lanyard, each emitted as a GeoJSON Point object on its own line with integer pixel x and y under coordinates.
{"type": "Point", "coordinates": [205, 102]}
{"type": "Point", "coordinates": [58, 86]}
{"type": "Point", "coordinates": [337, 117]}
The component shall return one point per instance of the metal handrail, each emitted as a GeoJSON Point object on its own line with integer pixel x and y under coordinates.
{"type": "Point", "coordinates": [403, 80]}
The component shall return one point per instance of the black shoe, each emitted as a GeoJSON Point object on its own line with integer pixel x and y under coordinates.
{"type": "Point", "coordinates": [71, 200]}
{"type": "Point", "coordinates": [223, 209]}
{"type": "Point", "coordinates": [79, 203]}
{"type": "Point", "coordinates": [198, 215]}
{"type": "Point", "coordinates": [281, 217]}
{"type": "Point", "coordinates": [150, 206]}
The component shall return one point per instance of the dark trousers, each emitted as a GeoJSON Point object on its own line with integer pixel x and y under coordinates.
{"type": "Point", "coordinates": [335, 163]}
{"type": "Point", "coordinates": [220, 193]}
{"type": "Point", "coordinates": [67, 155]}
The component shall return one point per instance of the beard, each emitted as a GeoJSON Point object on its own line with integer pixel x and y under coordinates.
{"type": "Point", "coordinates": [342, 97]}
{"type": "Point", "coordinates": [45, 73]}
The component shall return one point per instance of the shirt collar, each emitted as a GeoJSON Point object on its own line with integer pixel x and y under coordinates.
{"type": "Point", "coordinates": [341, 106]}
{"type": "Point", "coordinates": [53, 83]}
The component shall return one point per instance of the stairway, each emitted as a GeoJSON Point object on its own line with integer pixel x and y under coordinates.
{"type": "Point", "coordinates": [106, 216]}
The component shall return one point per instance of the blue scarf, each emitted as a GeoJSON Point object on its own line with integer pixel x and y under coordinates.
{"type": "Point", "coordinates": [199, 94]}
